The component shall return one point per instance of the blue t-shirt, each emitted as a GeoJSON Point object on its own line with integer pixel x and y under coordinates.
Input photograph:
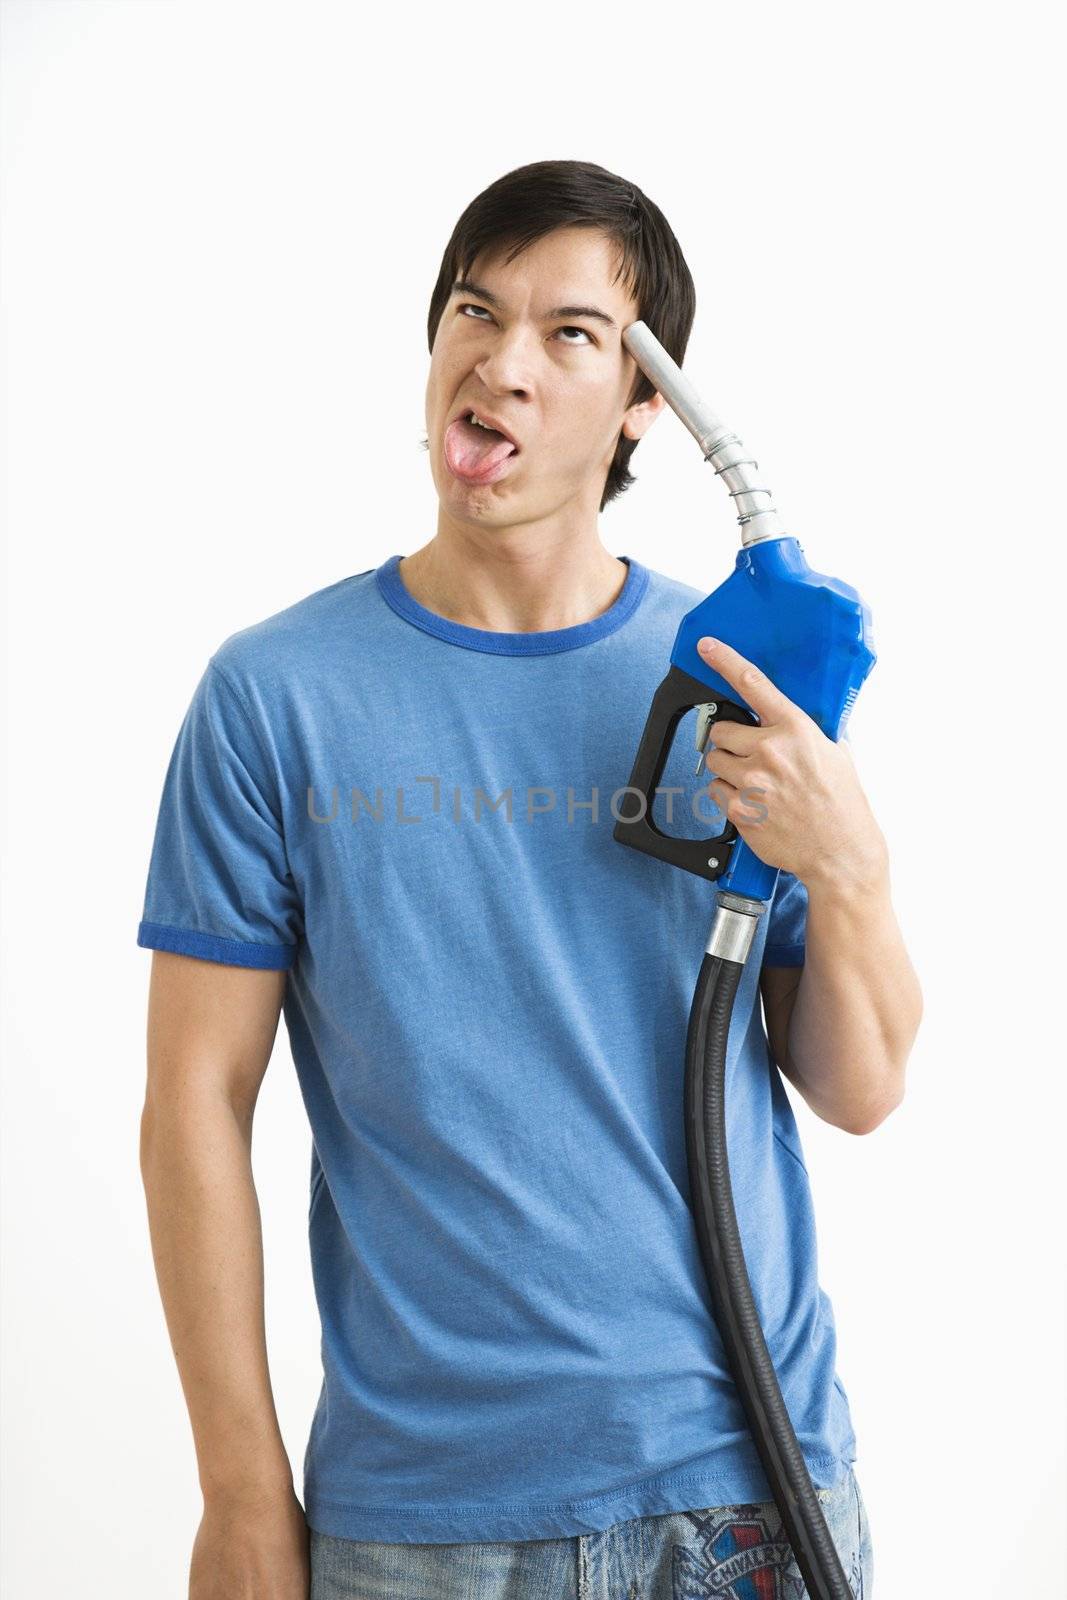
{"type": "Point", "coordinates": [487, 1001]}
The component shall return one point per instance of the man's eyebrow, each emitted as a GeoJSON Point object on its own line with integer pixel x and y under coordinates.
{"type": "Point", "coordinates": [465, 286]}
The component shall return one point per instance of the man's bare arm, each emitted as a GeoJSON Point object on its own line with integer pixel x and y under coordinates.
{"type": "Point", "coordinates": [842, 1025]}
{"type": "Point", "coordinates": [858, 1006]}
{"type": "Point", "coordinates": [843, 1032]}
{"type": "Point", "coordinates": [211, 1029]}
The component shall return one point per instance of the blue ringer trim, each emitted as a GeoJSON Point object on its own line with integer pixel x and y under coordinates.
{"type": "Point", "coordinates": [211, 947]}
{"type": "Point", "coordinates": [783, 955]}
{"type": "Point", "coordinates": [548, 642]}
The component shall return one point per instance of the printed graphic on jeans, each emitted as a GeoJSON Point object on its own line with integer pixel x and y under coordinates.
{"type": "Point", "coordinates": [736, 1554]}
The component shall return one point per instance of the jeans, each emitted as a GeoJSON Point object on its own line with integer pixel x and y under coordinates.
{"type": "Point", "coordinates": [717, 1553]}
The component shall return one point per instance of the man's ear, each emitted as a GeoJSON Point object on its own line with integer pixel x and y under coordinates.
{"type": "Point", "coordinates": [639, 418]}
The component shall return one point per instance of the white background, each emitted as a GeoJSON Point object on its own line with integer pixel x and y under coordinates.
{"type": "Point", "coordinates": [222, 224]}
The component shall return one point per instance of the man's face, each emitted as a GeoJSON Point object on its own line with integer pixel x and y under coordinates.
{"type": "Point", "coordinates": [518, 351]}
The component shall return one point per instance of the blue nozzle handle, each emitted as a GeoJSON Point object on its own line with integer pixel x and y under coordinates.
{"type": "Point", "coordinates": [812, 636]}
{"type": "Point", "coordinates": [707, 858]}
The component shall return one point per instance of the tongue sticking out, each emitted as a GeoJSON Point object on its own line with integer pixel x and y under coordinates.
{"type": "Point", "coordinates": [473, 451]}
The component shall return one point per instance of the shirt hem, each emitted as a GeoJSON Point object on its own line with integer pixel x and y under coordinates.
{"type": "Point", "coordinates": [783, 955]}
{"type": "Point", "coordinates": [213, 947]}
{"type": "Point", "coordinates": [659, 1496]}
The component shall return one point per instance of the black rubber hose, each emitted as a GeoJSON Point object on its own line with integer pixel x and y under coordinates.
{"type": "Point", "coordinates": [731, 1293]}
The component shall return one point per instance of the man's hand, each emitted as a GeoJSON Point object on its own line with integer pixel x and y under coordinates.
{"type": "Point", "coordinates": [252, 1550]}
{"type": "Point", "coordinates": [793, 794]}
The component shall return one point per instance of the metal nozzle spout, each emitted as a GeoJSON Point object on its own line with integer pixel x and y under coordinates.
{"type": "Point", "coordinates": [758, 517]}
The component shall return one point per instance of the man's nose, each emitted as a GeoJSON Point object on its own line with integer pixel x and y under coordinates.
{"type": "Point", "coordinates": [509, 366]}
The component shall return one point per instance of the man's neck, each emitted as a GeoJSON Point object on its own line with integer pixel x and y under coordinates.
{"type": "Point", "coordinates": [509, 590]}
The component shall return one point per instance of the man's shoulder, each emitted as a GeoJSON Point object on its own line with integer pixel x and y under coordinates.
{"type": "Point", "coordinates": [673, 590]}
{"type": "Point", "coordinates": [668, 599]}
{"type": "Point", "coordinates": [289, 642]}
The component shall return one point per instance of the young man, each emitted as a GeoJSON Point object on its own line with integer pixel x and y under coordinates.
{"type": "Point", "coordinates": [389, 811]}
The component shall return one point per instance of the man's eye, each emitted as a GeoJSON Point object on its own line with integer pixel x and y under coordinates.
{"type": "Point", "coordinates": [570, 329]}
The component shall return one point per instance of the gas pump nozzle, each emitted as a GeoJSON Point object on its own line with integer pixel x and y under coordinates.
{"type": "Point", "coordinates": [811, 634]}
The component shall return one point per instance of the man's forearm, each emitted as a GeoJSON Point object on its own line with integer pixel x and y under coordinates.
{"type": "Point", "coordinates": [208, 1249]}
{"type": "Point", "coordinates": [858, 1005]}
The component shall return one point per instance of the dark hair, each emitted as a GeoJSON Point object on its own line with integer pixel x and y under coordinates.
{"type": "Point", "coordinates": [524, 205]}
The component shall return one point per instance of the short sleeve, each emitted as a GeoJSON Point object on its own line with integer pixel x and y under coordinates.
{"type": "Point", "coordinates": [219, 884]}
{"type": "Point", "coordinates": [787, 923]}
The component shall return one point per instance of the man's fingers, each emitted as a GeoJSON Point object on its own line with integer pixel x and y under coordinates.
{"type": "Point", "coordinates": [753, 686]}
{"type": "Point", "coordinates": [740, 737]}
{"type": "Point", "coordinates": [725, 765]}
{"type": "Point", "coordinates": [720, 793]}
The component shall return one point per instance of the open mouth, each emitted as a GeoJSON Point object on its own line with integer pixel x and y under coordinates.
{"type": "Point", "coordinates": [476, 453]}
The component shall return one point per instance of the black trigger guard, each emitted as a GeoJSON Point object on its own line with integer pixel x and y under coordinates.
{"type": "Point", "coordinates": [678, 693]}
